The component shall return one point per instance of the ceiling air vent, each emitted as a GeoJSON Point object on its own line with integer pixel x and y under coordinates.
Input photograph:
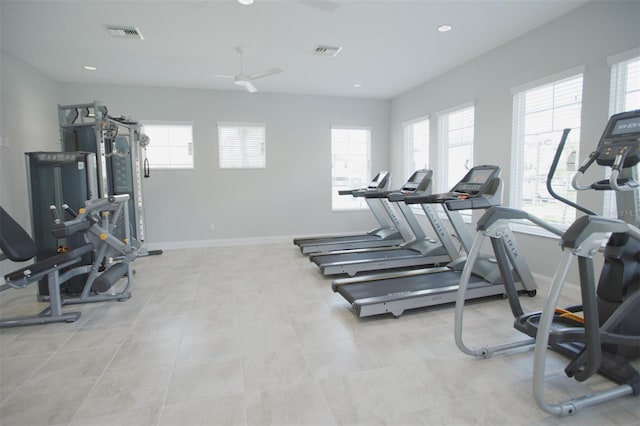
{"type": "Point", "coordinates": [124, 32]}
{"type": "Point", "coordinates": [327, 50]}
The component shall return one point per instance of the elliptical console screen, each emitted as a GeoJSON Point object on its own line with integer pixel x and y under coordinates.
{"type": "Point", "coordinates": [621, 137]}
{"type": "Point", "coordinates": [626, 126]}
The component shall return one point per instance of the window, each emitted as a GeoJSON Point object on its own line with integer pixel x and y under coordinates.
{"type": "Point", "coordinates": [625, 86]}
{"type": "Point", "coordinates": [540, 114]}
{"type": "Point", "coordinates": [241, 146]}
{"type": "Point", "coordinates": [416, 143]}
{"type": "Point", "coordinates": [350, 165]}
{"type": "Point", "coordinates": [624, 96]}
{"type": "Point", "coordinates": [170, 145]}
{"type": "Point", "coordinates": [455, 146]}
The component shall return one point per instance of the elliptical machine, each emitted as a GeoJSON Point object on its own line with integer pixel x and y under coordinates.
{"type": "Point", "coordinates": [603, 334]}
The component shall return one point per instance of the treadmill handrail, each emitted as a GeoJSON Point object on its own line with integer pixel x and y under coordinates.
{"type": "Point", "coordinates": [497, 214]}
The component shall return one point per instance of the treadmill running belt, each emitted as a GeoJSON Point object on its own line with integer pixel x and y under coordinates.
{"type": "Point", "coordinates": [405, 286]}
{"type": "Point", "coordinates": [363, 257]}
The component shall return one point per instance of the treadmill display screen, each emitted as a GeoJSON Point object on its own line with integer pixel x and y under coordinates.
{"type": "Point", "coordinates": [418, 177]}
{"type": "Point", "coordinates": [480, 176]}
{"type": "Point", "coordinates": [626, 126]}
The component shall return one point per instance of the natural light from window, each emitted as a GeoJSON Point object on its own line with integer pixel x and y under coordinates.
{"type": "Point", "coordinates": [350, 165]}
{"type": "Point", "coordinates": [170, 145]}
{"type": "Point", "coordinates": [541, 114]}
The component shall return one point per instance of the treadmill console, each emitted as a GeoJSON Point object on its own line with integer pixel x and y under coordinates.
{"type": "Point", "coordinates": [480, 188]}
{"type": "Point", "coordinates": [420, 180]}
{"type": "Point", "coordinates": [379, 182]}
{"type": "Point", "coordinates": [477, 181]}
{"type": "Point", "coordinates": [620, 137]}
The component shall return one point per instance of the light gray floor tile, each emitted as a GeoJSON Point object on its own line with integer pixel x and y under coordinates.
{"type": "Point", "coordinates": [298, 404]}
{"type": "Point", "coordinates": [255, 336]}
{"type": "Point", "coordinates": [205, 380]}
{"type": "Point", "coordinates": [228, 410]}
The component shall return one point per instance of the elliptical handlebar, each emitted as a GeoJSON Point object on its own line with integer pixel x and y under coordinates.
{"type": "Point", "coordinates": [583, 167]}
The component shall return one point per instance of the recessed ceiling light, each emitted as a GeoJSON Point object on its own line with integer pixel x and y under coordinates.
{"type": "Point", "coordinates": [245, 2]}
{"type": "Point", "coordinates": [357, 85]}
{"type": "Point", "coordinates": [89, 67]}
{"type": "Point", "coordinates": [445, 28]}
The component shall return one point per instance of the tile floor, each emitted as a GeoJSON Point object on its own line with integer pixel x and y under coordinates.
{"type": "Point", "coordinates": [254, 336]}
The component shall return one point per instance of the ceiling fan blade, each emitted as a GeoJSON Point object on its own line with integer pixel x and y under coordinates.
{"type": "Point", "coordinates": [224, 76]}
{"type": "Point", "coordinates": [266, 73]}
{"type": "Point", "coordinates": [250, 87]}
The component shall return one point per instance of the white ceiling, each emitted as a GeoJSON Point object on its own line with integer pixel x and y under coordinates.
{"type": "Point", "coordinates": [388, 46]}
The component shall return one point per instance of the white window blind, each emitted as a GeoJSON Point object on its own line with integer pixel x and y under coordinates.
{"type": "Point", "coordinates": [456, 132]}
{"type": "Point", "coordinates": [624, 96]}
{"type": "Point", "coordinates": [416, 150]}
{"type": "Point", "coordinates": [540, 114]}
{"type": "Point", "coordinates": [170, 145]}
{"type": "Point", "coordinates": [241, 146]}
{"type": "Point", "coordinates": [455, 149]}
{"type": "Point", "coordinates": [350, 165]}
{"type": "Point", "coordinates": [416, 143]}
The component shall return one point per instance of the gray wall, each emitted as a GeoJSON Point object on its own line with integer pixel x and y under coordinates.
{"type": "Point", "coordinates": [28, 122]}
{"type": "Point", "coordinates": [584, 37]}
{"type": "Point", "coordinates": [292, 196]}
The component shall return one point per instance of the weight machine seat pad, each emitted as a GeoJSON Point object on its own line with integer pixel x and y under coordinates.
{"type": "Point", "coordinates": [49, 264]}
{"type": "Point", "coordinates": [15, 243]}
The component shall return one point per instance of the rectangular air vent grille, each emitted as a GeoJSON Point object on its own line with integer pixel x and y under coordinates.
{"type": "Point", "coordinates": [124, 32]}
{"type": "Point", "coordinates": [327, 50]}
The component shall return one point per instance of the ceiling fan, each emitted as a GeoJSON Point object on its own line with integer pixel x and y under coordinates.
{"type": "Point", "coordinates": [245, 80]}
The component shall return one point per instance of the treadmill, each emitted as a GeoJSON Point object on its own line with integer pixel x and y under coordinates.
{"type": "Point", "coordinates": [420, 251]}
{"type": "Point", "coordinates": [388, 234]}
{"type": "Point", "coordinates": [395, 292]}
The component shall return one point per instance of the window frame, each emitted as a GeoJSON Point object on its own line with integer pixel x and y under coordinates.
{"type": "Point", "coordinates": [358, 204]}
{"type": "Point", "coordinates": [244, 161]}
{"type": "Point", "coordinates": [409, 140]}
{"type": "Point", "coordinates": [409, 160]}
{"type": "Point", "coordinates": [517, 144]}
{"type": "Point", "coordinates": [617, 103]}
{"type": "Point", "coordinates": [168, 123]}
{"type": "Point", "coordinates": [442, 172]}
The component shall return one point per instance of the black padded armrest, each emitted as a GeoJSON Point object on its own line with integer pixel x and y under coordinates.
{"type": "Point", "coordinates": [346, 191]}
{"type": "Point", "coordinates": [49, 264]}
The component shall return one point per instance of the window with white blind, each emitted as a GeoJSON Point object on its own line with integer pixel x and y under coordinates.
{"type": "Point", "coordinates": [623, 96]}
{"type": "Point", "coordinates": [416, 150]}
{"type": "Point", "coordinates": [455, 149]}
{"type": "Point", "coordinates": [416, 145]}
{"type": "Point", "coordinates": [170, 145]}
{"type": "Point", "coordinates": [350, 165]}
{"type": "Point", "coordinates": [455, 153]}
{"type": "Point", "coordinates": [540, 114]}
{"type": "Point", "coordinates": [241, 146]}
